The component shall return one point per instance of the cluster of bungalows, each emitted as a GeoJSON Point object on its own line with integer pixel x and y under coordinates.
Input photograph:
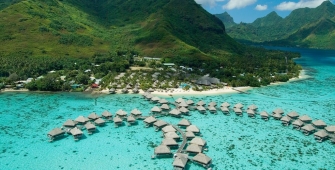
{"type": "Point", "coordinates": [75, 127]}
{"type": "Point", "coordinates": [304, 123]}
{"type": "Point", "coordinates": [191, 133]}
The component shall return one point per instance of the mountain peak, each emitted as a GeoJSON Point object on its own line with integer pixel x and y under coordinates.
{"type": "Point", "coordinates": [226, 19]}
{"type": "Point", "coordinates": [270, 19]}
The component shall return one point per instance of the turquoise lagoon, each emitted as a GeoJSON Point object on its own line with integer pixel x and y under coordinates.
{"type": "Point", "coordinates": [233, 142]}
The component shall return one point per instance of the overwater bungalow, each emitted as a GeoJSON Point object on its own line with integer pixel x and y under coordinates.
{"type": "Point", "coordinates": [238, 106]}
{"type": "Point", "coordinates": [117, 121]}
{"type": "Point", "coordinates": [225, 104]}
{"type": "Point", "coordinates": [238, 111]}
{"type": "Point", "coordinates": [171, 143]}
{"type": "Point", "coordinates": [155, 99]}
{"type": "Point", "coordinates": [165, 107]}
{"type": "Point", "coordinates": [136, 90]}
{"type": "Point", "coordinates": [189, 135]}
{"type": "Point", "coordinates": [163, 101]}
{"type": "Point", "coordinates": [251, 113]}
{"type": "Point", "coordinates": [179, 100]}
{"type": "Point", "coordinates": [184, 110]}
{"type": "Point", "coordinates": [149, 96]}
{"type": "Point", "coordinates": [159, 124]}
{"type": "Point", "coordinates": [330, 129]}
{"type": "Point", "coordinates": [149, 121]}
{"type": "Point", "coordinates": [121, 113]}
{"type": "Point", "coordinates": [76, 133]}
{"type": "Point", "coordinates": [162, 151]}
{"type": "Point", "coordinates": [199, 141]}
{"type": "Point", "coordinates": [131, 120]}
{"type": "Point", "coordinates": [90, 128]}
{"type": "Point", "coordinates": [321, 135]}
{"type": "Point", "coordinates": [99, 122]}
{"type": "Point", "coordinates": [184, 123]}
{"type": "Point", "coordinates": [81, 120]}
{"type": "Point", "coordinates": [212, 103]}
{"type": "Point", "coordinates": [69, 124]}
{"type": "Point", "coordinates": [180, 161]}
{"type": "Point", "coordinates": [107, 115]}
{"type": "Point", "coordinates": [190, 102]}
{"type": "Point", "coordinates": [293, 115]}
{"type": "Point", "coordinates": [319, 124]}
{"type": "Point", "coordinates": [305, 119]}
{"type": "Point", "coordinates": [156, 109]}
{"type": "Point", "coordinates": [252, 107]}
{"type": "Point", "coordinates": [201, 109]}
{"type": "Point", "coordinates": [55, 133]}
{"type": "Point", "coordinates": [112, 91]}
{"type": "Point", "coordinates": [93, 116]}
{"type": "Point", "coordinates": [194, 149]}
{"type": "Point", "coordinates": [172, 135]}
{"type": "Point", "coordinates": [203, 160]}
{"type": "Point", "coordinates": [145, 94]}
{"type": "Point", "coordinates": [264, 115]}
{"type": "Point", "coordinates": [136, 113]}
{"type": "Point", "coordinates": [183, 104]}
{"type": "Point", "coordinates": [193, 128]}
{"type": "Point", "coordinates": [175, 113]}
{"type": "Point", "coordinates": [278, 111]}
{"type": "Point", "coordinates": [201, 103]}
{"type": "Point", "coordinates": [285, 120]}
{"type": "Point", "coordinates": [225, 110]}
{"type": "Point", "coordinates": [168, 128]}
{"type": "Point", "coordinates": [212, 109]}
{"type": "Point", "coordinates": [297, 124]}
{"type": "Point", "coordinates": [277, 116]}
{"type": "Point", "coordinates": [307, 129]}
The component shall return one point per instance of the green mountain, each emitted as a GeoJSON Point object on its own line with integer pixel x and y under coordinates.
{"type": "Point", "coordinates": [227, 20]}
{"type": "Point", "coordinates": [297, 29]}
{"type": "Point", "coordinates": [85, 28]}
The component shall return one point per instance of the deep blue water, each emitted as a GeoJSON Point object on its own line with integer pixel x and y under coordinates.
{"type": "Point", "coordinates": [233, 142]}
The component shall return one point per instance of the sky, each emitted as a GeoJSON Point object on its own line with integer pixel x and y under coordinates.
{"type": "Point", "coordinates": [249, 10]}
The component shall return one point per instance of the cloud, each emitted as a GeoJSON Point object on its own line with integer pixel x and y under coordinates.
{"type": "Point", "coordinates": [301, 4]}
{"type": "Point", "coordinates": [261, 7]}
{"type": "Point", "coordinates": [237, 4]}
{"type": "Point", "coordinates": [211, 3]}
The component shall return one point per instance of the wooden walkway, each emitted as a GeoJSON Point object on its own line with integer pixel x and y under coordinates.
{"type": "Point", "coordinates": [184, 138]}
{"type": "Point", "coordinates": [240, 90]}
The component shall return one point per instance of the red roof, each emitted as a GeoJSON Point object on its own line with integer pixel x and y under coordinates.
{"type": "Point", "coordinates": [95, 85]}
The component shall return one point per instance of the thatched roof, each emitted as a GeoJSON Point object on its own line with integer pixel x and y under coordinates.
{"type": "Point", "coordinates": [201, 108]}
{"type": "Point", "coordinates": [169, 128]}
{"type": "Point", "coordinates": [150, 119]}
{"type": "Point", "coordinates": [184, 122]}
{"type": "Point", "coordinates": [136, 112]}
{"type": "Point", "coordinates": [180, 100]}
{"type": "Point", "coordinates": [106, 114]}
{"type": "Point", "coordinates": [155, 99]}
{"type": "Point", "coordinates": [321, 133]}
{"type": "Point", "coordinates": [194, 148]}
{"type": "Point", "coordinates": [251, 112]}
{"type": "Point", "coordinates": [278, 111]}
{"type": "Point", "coordinates": [193, 128]}
{"type": "Point", "coordinates": [330, 128]}
{"type": "Point", "coordinates": [69, 123]}
{"type": "Point", "coordinates": [211, 108]}
{"type": "Point", "coordinates": [183, 104]}
{"type": "Point", "coordinates": [121, 113]}
{"type": "Point", "coordinates": [253, 107]}
{"type": "Point", "coordinates": [225, 104]}
{"type": "Point", "coordinates": [308, 127]}
{"type": "Point", "coordinates": [264, 114]}
{"type": "Point", "coordinates": [75, 131]}
{"type": "Point", "coordinates": [238, 105]}
{"type": "Point", "coordinates": [183, 110]}
{"type": "Point", "coordinates": [286, 119]}
{"type": "Point", "coordinates": [237, 110]}
{"type": "Point", "coordinates": [56, 132]}
{"type": "Point", "coordinates": [305, 118]}
{"type": "Point", "coordinates": [93, 116]}
{"type": "Point", "coordinates": [130, 118]}
{"type": "Point", "coordinates": [163, 101]}
{"type": "Point", "coordinates": [169, 142]}
{"type": "Point", "coordinates": [212, 104]}
{"type": "Point", "coordinates": [190, 102]}
{"type": "Point", "coordinates": [198, 141]}
{"type": "Point", "coordinates": [89, 126]}
{"type": "Point", "coordinates": [99, 121]}
{"type": "Point", "coordinates": [173, 135]}
{"type": "Point", "coordinates": [201, 103]}
{"type": "Point", "coordinates": [180, 161]}
{"type": "Point", "coordinates": [298, 122]}
{"type": "Point", "coordinates": [117, 119]}
{"type": "Point", "coordinates": [293, 114]}
{"type": "Point", "coordinates": [156, 109]}
{"type": "Point", "coordinates": [162, 149]}
{"type": "Point", "coordinates": [81, 119]}
{"type": "Point", "coordinates": [319, 123]}
{"type": "Point", "coordinates": [165, 107]}
{"type": "Point", "coordinates": [189, 134]}
{"type": "Point", "coordinates": [277, 115]}
{"type": "Point", "coordinates": [202, 158]}
{"type": "Point", "coordinates": [224, 109]}
{"type": "Point", "coordinates": [160, 123]}
{"type": "Point", "coordinates": [175, 112]}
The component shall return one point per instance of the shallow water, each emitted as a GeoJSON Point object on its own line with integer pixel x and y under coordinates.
{"type": "Point", "coordinates": [233, 142]}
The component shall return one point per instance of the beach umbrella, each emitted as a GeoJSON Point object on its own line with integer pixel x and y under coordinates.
{"type": "Point", "coordinates": [305, 118]}
{"type": "Point", "coordinates": [293, 114]}
{"type": "Point", "coordinates": [319, 123]}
